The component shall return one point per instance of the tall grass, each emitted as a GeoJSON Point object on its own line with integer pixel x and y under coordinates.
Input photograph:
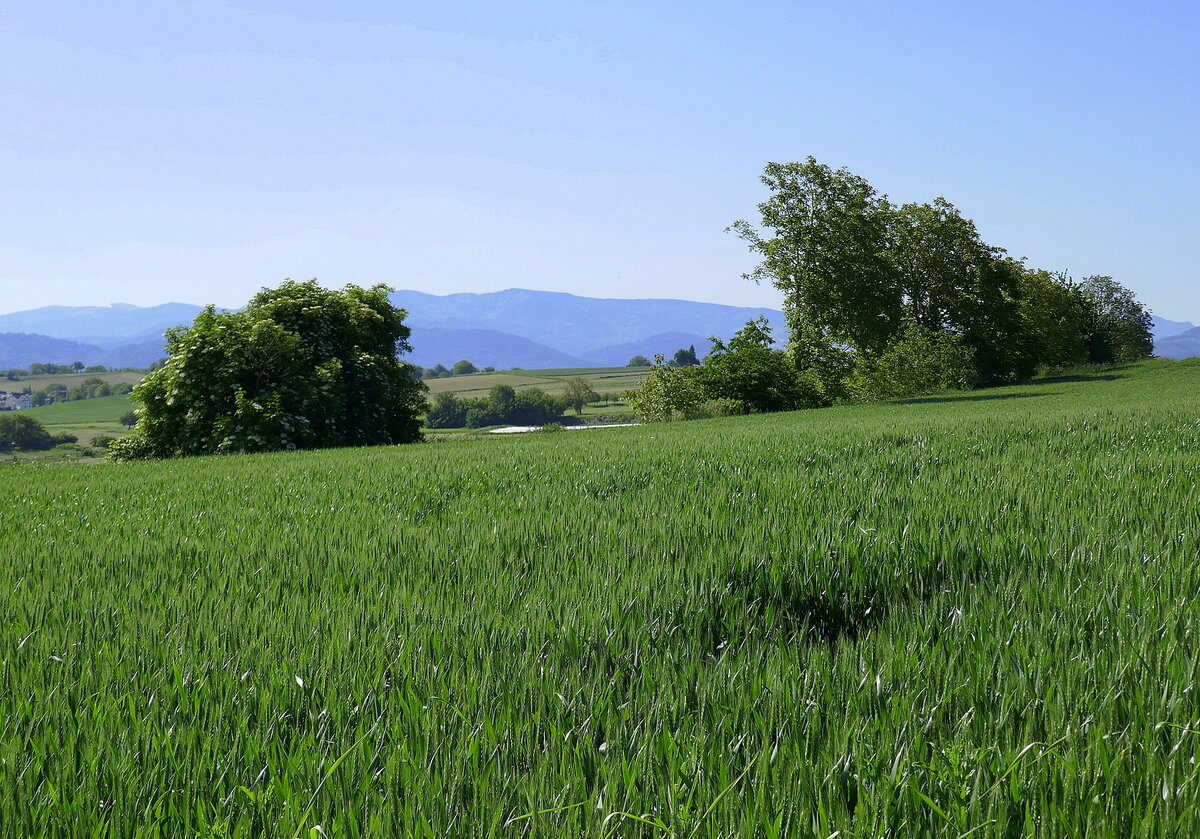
{"type": "Point", "coordinates": [973, 615]}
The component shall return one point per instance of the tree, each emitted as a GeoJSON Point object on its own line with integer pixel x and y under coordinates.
{"type": "Point", "coordinates": [667, 392]}
{"type": "Point", "coordinates": [300, 367]}
{"type": "Point", "coordinates": [1054, 317]}
{"type": "Point", "coordinates": [78, 366]}
{"type": "Point", "coordinates": [18, 431]}
{"type": "Point", "coordinates": [463, 368]}
{"type": "Point", "coordinates": [445, 411]}
{"type": "Point", "coordinates": [638, 361]}
{"type": "Point", "coordinates": [128, 419]}
{"type": "Point", "coordinates": [749, 372]}
{"type": "Point", "coordinates": [685, 358]}
{"type": "Point", "coordinates": [500, 401]}
{"type": "Point", "coordinates": [1117, 325]}
{"type": "Point", "coordinates": [828, 254]}
{"type": "Point", "coordinates": [579, 391]}
{"type": "Point", "coordinates": [920, 360]}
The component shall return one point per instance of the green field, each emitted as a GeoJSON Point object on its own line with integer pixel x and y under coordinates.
{"type": "Point", "coordinates": [85, 418]}
{"type": "Point", "coordinates": [968, 615]}
{"type": "Point", "coordinates": [603, 379]}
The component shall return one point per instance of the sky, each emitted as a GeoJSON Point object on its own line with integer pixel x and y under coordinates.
{"type": "Point", "coordinates": [164, 151]}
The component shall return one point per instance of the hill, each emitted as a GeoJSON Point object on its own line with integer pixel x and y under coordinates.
{"type": "Point", "coordinates": [513, 328]}
{"type": "Point", "coordinates": [908, 619]}
{"type": "Point", "coordinates": [1181, 345]}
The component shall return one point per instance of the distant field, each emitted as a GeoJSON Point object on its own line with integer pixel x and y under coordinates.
{"type": "Point", "coordinates": [603, 379]}
{"type": "Point", "coordinates": [102, 409]}
{"type": "Point", "coordinates": [69, 380]}
{"type": "Point", "coordinates": [970, 615]}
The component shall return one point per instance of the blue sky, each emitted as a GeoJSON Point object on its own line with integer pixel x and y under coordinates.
{"type": "Point", "coordinates": [162, 151]}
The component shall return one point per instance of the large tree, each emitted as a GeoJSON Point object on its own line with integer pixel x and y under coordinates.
{"type": "Point", "coordinates": [1117, 325]}
{"type": "Point", "coordinates": [828, 253]}
{"type": "Point", "coordinates": [300, 367]}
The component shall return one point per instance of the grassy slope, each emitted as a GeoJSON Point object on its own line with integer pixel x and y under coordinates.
{"type": "Point", "coordinates": [969, 612]}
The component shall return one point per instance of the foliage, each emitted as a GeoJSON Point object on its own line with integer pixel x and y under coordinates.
{"type": "Point", "coordinates": [667, 393]}
{"type": "Point", "coordinates": [921, 360]}
{"type": "Point", "coordinates": [1117, 325]}
{"type": "Point", "coordinates": [503, 406]}
{"type": "Point", "coordinates": [748, 372]}
{"type": "Point", "coordinates": [129, 419]}
{"type": "Point", "coordinates": [299, 367]}
{"type": "Point", "coordinates": [972, 617]}
{"type": "Point", "coordinates": [23, 433]}
{"type": "Point", "coordinates": [463, 368]}
{"type": "Point", "coordinates": [857, 272]}
{"type": "Point", "coordinates": [638, 361]}
{"type": "Point", "coordinates": [579, 392]}
{"type": "Point", "coordinates": [1054, 316]}
{"type": "Point", "coordinates": [685, 357]}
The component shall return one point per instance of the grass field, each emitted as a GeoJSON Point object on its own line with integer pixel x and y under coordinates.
{"type": "Point", "coordinates": [970, 615]}
{"type": "Point", "coordinates": [603, 379]}
{"type": "Point", "coordinates": [70, 380]}
{"type": "Point", "coordinates": [85, 418]}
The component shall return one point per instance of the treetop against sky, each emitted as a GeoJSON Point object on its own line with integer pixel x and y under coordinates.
{"type": "Point", "coordinates": [169, 151]}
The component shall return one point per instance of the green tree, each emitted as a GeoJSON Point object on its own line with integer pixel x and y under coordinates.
{"type": "Point", "coordinates": [638, 361]}
{"type": "Point", "coordinates": [749, 372]}
{"type": "Point", "coordinates": [828, 253]}
{"type": "Point", "coordinates": [300, 367]}
{"type": "Point", "coordinates": [129, 419]}
{"type": "Point", "coordinates": [666, 393]}
{"type": "Point", "coordinates": [1117, 325]}
{"type": "Point", "coordinates": [685, 357]}
{"type": "Point", "coordinates": [1054, 319]}
{"type": "Point", "coordinates": [579, 391]}
{"type": "Point", "coordinates": [500, 401]}
{"type": "Point", "coordinates": [445, 411]}
{"type": "Point", "coordinates": [463, 368]}
{"type": "Point", "coordinates": [24, 433]}
{"type": "Point", "coordinates": [952, 281]}
{"type": "Point", "coordinates": [920, 360]}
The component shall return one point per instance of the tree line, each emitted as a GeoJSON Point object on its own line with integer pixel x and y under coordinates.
{"type": "Point", "coordinates": [882, 300]}
{"type": "Point", "coordinates": [885, 301]}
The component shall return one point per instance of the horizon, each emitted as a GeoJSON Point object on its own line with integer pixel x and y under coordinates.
{"type": "Point", "coordinates": [170, 151]}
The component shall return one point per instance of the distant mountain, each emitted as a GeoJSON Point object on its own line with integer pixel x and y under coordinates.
{"type": "Point", "coordinates": [1183, 345]}
{"type": "Point", "coordinates": [483, 347]}
{"type": "Point", "coordinates": [513, 328]}
{"type": "Point", "coordinates": [100, 325]}
{"type": "Point", "coordinates": [579, 326]}
{"type": "Point", "coordinates": [1163, 328]}
{"type": "Point", "coordinates": [665, 343]}
{"type": "Point", "coordinates": [19, 349]}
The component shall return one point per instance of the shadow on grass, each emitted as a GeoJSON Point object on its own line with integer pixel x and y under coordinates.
{"type": "Point", "coordinates": [970, 397]}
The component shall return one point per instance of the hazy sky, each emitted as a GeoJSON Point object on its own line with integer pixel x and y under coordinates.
{"type": "Point", "coordinates": [162, 151]}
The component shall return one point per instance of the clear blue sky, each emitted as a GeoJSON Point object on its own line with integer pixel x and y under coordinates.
{"type": "Point", "coordinates": [160, 151]}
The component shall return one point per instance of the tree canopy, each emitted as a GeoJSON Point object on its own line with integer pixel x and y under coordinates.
{"type": "Point", "coordinates": [868, 284]}
{"type": "Point", "coordinates": [300, 367]}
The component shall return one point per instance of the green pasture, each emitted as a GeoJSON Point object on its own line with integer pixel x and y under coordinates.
{"type": "Point", "coordinates": [85, 418]}
{"type": "Point", "coordinates": [971, 615]}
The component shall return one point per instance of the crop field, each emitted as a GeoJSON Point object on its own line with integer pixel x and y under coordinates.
{"type": "Point", "coordinates": [969, 615]}
{"type": "Point", "coordinates": [602, 379]}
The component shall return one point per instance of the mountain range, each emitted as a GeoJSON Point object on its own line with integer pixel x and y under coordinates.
{"type": "Point", "coordinates": [503, 329]}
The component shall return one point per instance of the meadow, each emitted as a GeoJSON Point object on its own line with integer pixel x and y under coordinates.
{"type": "Point", "coordinates": [964, 615]}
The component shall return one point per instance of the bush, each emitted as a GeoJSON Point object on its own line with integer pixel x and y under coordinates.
{"type": "Point", "coordinates": [918, 362]}
{"type": "Point", "coordinates": [103, 441]}
{"type": "Point", "coordinates": [24, 433]}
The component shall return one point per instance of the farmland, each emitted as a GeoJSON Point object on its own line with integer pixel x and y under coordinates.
{"type": "Point", "coordinates": [973, 613]}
